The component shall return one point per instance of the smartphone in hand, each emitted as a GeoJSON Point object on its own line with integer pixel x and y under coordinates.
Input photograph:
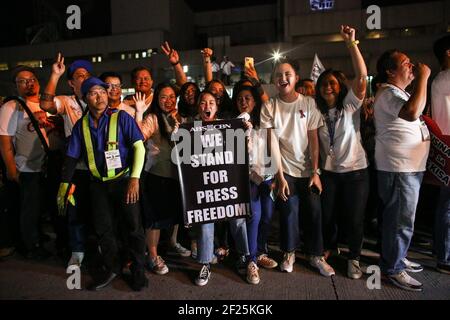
{"type": "Point", "coordinates": [249, 62]}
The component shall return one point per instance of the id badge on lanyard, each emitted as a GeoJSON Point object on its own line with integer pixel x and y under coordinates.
{"type": "Point", "coordinates": [425, 132]}
{"type": "Point", "coordinates": [113, 160]}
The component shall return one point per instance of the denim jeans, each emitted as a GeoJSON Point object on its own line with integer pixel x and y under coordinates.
{"type": "Point", "coordinates": [301, 206]}
{"type": "Point", "coordinates": [399, 193]}
{"type": "Point", "coordinates": [258, 226]}
{"type": "Point", "coordinates": [442, 227]}
{"type": "Point", "coordinates": [351, 190]}
{"type": "Point", "coordinates": [205, 242]}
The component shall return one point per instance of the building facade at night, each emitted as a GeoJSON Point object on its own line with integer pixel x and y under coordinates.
{"type": "Point", "coordinates": [120, 35]}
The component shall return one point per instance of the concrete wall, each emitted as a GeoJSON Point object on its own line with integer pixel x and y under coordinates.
{"type": "Point", "coordinates": [137, 15]}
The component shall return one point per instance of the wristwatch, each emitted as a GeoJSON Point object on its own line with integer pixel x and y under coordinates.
{"type": "Point", "coordinates": [317, 171]}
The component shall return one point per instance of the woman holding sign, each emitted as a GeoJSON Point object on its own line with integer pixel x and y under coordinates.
{"type": "Point", "coordinates": [207, 111]}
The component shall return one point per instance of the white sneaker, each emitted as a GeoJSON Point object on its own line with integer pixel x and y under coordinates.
{"type": "Point", "coordinates": [288, 262]}
{"type": "Point", "coordinates": [252, 273]}
{"type": "Point", "coordinates": [353, 269]}
{"type": "Point", "coordinates": [76, 259]}
{"type": "Point", "coordinates": [412, 266]}
{"type": "Point", "coordinates": [158, 265]}
{"type": "Point", "coordinates": [179, 250]}
{"type": "Point", "coordinates": [405, 281]}
{"type": "Point", "coordinates": [320, 263]}
{"type": "Point", "coordinates": [203, 276]}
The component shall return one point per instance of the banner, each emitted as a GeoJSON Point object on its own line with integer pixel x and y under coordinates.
{"type": "Point", "coordinates": [212, 160]}
{"type": "Point", "coordinates": [438, 164]}
{"type": "Point", "coordinates": [317, 68]}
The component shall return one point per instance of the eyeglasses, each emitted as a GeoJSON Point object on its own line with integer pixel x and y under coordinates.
{"type": "Point", "coordinates": [114, 86]}
{"type": "Point", "coordinates": [24, 82]}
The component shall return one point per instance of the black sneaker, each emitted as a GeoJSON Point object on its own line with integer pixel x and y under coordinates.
{"type": "Point", "coordinates": [203, 276]}
{"type": "Point", "coordinates": [241, 265]}
{"type": "Point", "coordinates": [139, 280]}
{"type": "Point", "coordinates": [444, 268]}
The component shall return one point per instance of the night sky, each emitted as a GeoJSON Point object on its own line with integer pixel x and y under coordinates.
{"type": "Point", "coordinates": [22, 20]}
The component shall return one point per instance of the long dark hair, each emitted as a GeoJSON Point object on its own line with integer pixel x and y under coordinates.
{"type": "Point", "coordinates": [321, 103]}
{"type": "Point", "coordinates": [156, 109]}
{"type": "Point", "coordinates": [225, 105]}
{"type": "Point", "coordinates": [184, 108]}
{"type": "Point", "coordinates": [255, 116]}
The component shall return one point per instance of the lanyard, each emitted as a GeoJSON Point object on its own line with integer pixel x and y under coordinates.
{"type": "Point", "coordinates": [331, 125]}
{"type": "Point", "coordinates": [112, 145]}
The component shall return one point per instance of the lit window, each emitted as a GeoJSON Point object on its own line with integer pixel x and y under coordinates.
{"type": "Point", "coordinates": [94, 59]}
{"type": "Point", "coordinates": [122, 56]}
{"type": "Point", "coordinates": [99, 59]}
{"type": "Point", "coordinates": [144, 54]}
{"type": "Point", "coordinates": [3, 66]}
{"type": "Point", "coordinates": [185, 69]}
{"type": "Point", "coordinates": [136, 55]}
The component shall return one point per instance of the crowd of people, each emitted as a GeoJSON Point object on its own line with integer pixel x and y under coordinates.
{"type": "Point", "coordinates": [101, 166]}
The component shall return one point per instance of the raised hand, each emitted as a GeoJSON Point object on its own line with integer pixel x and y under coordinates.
{"type": "Point", "coordinates": [139, 100]}
{"type": "Point", "coordinates": [251, 73]}
{"type": "Point", "coordinates": [171, 53]}
{"type": "Point", "coordinates": [348, 33]}
{"type": "Point", "coordinates": [422, 70]}
{"type": "Point", "coordinates": [58, 67]}
{"type": "Point", "coordinates": [207, 53]}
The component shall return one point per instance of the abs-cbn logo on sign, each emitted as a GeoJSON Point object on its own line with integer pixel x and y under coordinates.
{"type": "Point", "coordinates": [321, 4]}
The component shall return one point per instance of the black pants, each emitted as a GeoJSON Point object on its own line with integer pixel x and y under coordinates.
{"type": "Point", "coordinates": [108, 207]}
{"type": "Point", "coordinates": [344, 200]}
{"type": "Point", "coordinates": [303, 207]}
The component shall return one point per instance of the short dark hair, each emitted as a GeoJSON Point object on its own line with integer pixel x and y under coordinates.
{"type": "Point", "coordinates": [20, 68]}
{"type": "Point", "coordinates": [440, 48]}
{"type": "Point", "coordinates": [385, 63]}
{"type": "Point", "coordinates": [287, 60]}
{"type": "Point", "coordinates": [137, 69]}
{"type": "Point", "coordinates": [301, 82]}
{"type": "Point", "coordinates": [110, 74]}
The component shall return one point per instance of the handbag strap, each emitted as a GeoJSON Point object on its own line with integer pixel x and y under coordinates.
{"type": "Point", "coordinates": [32, 119]}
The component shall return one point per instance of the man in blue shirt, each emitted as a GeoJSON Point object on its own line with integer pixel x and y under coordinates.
{"type": "Point", "coordinates": [111, 144]}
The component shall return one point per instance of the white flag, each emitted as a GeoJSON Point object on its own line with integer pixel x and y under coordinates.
{"type": "Point", "coordinates": [317, 68]}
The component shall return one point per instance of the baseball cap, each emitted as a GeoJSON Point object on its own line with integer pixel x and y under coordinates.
{"type": "Point", "coordinates": [77, 64]}
{"type": "Point", "coordinates": [91, 82]}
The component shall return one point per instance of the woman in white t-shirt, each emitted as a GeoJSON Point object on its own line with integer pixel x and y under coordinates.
{"type": "Point", "coordinates": [342, 156]}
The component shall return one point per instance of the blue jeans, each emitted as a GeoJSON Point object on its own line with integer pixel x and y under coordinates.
{"type": "Point", "coordinates": [302, 205]}
{"type": "Point", "coordinates": [442, 227]}
{"type": "Point", "coordinates": [258, 226]}
{"type": "Point", "coordinates": [399, 193]}
{"type": "Point", "coordinates": [205, 242]}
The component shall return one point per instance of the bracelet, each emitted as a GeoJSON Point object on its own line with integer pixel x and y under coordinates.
{"type": "Point", "coordinates": [174, 64]}
{"type": "Point", "coordinates": [352, 44]}
{"type": "Point", "coordinates": [47, 97]}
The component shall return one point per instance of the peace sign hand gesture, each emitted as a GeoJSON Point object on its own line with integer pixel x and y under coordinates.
{"type": "Point", "coordinates": [171, 53]}
{"type": "Point", "coordinates": [58, 67]}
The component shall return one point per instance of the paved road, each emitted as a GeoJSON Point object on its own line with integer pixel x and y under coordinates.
{"type": "Point", "coordinates": [23, 279]}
